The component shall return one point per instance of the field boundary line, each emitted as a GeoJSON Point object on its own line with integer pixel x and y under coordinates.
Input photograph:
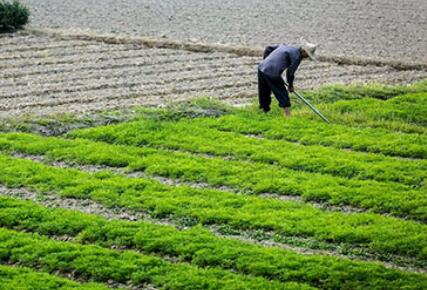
{"type": "Point", "coordinates": [240, 50]}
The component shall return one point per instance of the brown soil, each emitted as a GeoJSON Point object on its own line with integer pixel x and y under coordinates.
{"type": "Point", "coordinates": [77, 72]}
{"type": "Point", "coordinates": [380, 29]}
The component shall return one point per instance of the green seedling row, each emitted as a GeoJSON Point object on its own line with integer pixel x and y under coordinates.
{"type": "Point", "coordinates": [189, 135]}
{"type": "Point", "coordinates": [314, 132]}
{"type": "Point", "coordinates": [380, 197]}
{"type": "Point", "coordinates": [334, 93]}
{"type": "Point", "coordinates": [98, 264]}
{"type": "Point", "coordinates": [405, 113]}
{"type": "Point", "coordinates": [203, 249]}
{"type": "Point", "coordinates": [379, 234]}
{"type": "Point", "coordinates": [409, 108]}
{"type": "Point", "coordinates": [26, 279]}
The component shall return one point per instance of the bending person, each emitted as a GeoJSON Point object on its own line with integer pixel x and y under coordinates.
{"type": "Point", "coordinates": [277, 59]}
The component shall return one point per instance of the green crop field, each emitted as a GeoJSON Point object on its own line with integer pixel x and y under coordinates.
{"type": "Point", "coordinates": [200, 195]}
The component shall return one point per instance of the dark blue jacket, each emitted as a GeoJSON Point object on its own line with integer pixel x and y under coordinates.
{"type": "Point", "coordinates": [278, 58]}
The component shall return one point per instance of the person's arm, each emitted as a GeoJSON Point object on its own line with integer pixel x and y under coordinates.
{"type": "Point", "coordinates": [269, 49]}
{"type": "Point", "coordinates": [290, 72]}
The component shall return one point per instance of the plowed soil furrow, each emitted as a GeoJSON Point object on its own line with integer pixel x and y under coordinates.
{"type": "Point", "coordinates": [304, 74]}
{"type": "Point", "coordinates": [106, 72]}
{"type": "Point", "coordinates": [169, 94]}
{"type": "Point", "coordinates": [114, 80]}
{"type": "Point", "coordinates": [122, 61]}
{"type": "Point", "coordinates": [176, 85]}
{"type": "Point", "coordinates": [54, 75]}
{"type": "Point", "coordinates": [90, 49]}
{"type": "Point", "coordinates": [126, 81]}
{"type": "Point", "coordinates": [43, 45]}
{"type": "Point", "coordinates": [341, 72]}
{"type": "Point", "coordinates": [117, 98]}
{"type": "Point", "coordinates": [316, 73]}
{"type": "Point", "coordinates": [391, 77]}
{"type": "Point", "coordinates": [243, 66]}
{"type": "Point", "coordinates": [18, 39]}
{"type": "Point", "coordinates": [81, 58]}
{"type": "Point", "coordinates": [311, 65]}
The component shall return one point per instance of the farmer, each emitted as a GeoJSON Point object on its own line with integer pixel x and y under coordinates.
{"type": "Point", "coordinates": [277, 59]}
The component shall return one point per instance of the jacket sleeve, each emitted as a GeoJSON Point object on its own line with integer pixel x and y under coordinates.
{"type": "Point", "coordinates": [290, 72]}
{"type": "Point", "coordinates": [269, 49]}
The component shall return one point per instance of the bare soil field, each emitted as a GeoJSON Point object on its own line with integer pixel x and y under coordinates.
{"type": "Point", "coordinates": [44, 74]}
{"type": "Point", "coordinates": [385, 29]}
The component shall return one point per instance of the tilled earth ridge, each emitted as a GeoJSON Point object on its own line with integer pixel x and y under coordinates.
{"type": "Point", "coordinates": [44, 75]}
{"type": "Point", "coordinates": [386, 29]}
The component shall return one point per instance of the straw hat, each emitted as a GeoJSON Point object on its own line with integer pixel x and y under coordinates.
{"type": "Point", "coordinates": [310, 49]}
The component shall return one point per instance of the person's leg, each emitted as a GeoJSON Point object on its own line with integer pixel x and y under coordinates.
{"type": "Point", "coordinates": [281, 94]}
{"type": "Point", "coordinates": [264, 93]}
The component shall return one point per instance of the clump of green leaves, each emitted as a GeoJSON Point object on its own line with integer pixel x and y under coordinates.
{"type": "Point", "coordinates": [13, 15]}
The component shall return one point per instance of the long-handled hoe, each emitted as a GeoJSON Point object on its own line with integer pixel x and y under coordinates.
{"type": "Point", "coordinates": [313, 108]}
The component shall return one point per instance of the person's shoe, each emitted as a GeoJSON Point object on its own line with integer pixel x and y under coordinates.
{"type": "Point", "coordinates": [266, 110]}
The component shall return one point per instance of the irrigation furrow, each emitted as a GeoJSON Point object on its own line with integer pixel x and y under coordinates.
{"type": "Point", "coordinates": [91, 75]}
{"type": "Point", "coordinates": [113, 63]}
{"type": "Point", "coordinates": [263, 238]}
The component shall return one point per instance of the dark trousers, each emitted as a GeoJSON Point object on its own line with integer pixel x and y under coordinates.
{"type": "Point", "coordinates": [266, 85]}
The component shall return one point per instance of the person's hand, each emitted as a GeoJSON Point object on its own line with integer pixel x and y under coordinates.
{"type": "Point", "coordinates": [291, 89]}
